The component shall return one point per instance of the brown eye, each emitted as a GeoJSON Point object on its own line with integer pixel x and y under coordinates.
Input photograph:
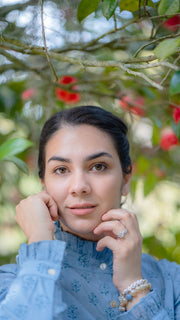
{"type": "Point", "coordinates": [99, 167]}
{"type": "Point", "coordinates": [61, 170]}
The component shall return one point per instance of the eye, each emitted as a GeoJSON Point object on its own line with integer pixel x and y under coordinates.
{"type": "Point", "coordinates": [99, 167]}
{"type": "Point", "coordinates": [60, 170]}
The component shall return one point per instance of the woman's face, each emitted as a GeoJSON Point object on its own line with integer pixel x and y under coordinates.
{"type": "Point", "coordinates": [84, 176]}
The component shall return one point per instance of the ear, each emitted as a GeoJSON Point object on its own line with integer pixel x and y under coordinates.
{"type": "Point", "coordinates": [126, 183]}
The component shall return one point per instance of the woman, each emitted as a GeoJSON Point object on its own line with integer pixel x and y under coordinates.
{"type": "Point", "coordinates": [94, 268]}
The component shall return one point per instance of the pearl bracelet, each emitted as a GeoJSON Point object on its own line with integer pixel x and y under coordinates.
{"type": "Point", "coordinates": [132, 291]}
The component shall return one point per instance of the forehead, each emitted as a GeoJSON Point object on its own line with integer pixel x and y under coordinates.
{"type": "Point", "coordinates": [87, 138]}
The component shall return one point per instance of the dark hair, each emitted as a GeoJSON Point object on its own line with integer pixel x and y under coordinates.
{"type": "Point", "coordinates": [94, 116]}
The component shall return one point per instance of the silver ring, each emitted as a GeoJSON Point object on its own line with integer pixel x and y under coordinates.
{"type": "Point", "coordinates": [122, 234]}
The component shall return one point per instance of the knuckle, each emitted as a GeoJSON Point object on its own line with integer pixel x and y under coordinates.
{"type": "Point", "coordinates": [128, 214]}
{"type": "Point", "coordinates": [18, 207]}
{"type": "Point", "coordinates": [134, 216]}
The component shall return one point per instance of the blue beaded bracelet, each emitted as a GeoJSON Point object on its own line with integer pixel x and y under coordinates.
{"type": "Point", "coordinates": [131, 291]}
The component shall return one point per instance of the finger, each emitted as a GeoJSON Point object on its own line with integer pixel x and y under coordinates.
{"type": "Point", "coordinates": [128, 219]}
{"type": "Point", "coordinates": [108, 242]}
{"type": "Point", "coordinates": [51, 204]}
{"type": "Point", "coordinates": [113, 226]}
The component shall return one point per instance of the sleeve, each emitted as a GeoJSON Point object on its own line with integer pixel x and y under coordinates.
{"type": "Point", "coordinates": [177, 291]}
{"type": "Point", "coordinates": [149, 308]}
{"type": "Point", "coordinates": [30, 294]}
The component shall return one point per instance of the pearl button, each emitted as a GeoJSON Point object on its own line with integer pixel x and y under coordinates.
{"type": "Point", "coordinates": [52, 272]}
{"type": "Point", "coordinates": [103, 266]}
{"type": "Point", "coordinates": [113, 304]}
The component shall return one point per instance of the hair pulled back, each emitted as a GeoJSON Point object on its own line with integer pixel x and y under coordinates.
{"type": "Point", "coordinates": [90, 115]}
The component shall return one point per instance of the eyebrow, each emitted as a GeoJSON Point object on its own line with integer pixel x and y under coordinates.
{"type": "Point", "coordinates": [98, 155]}
{"type": "Point", "coordinates": [88, 158]}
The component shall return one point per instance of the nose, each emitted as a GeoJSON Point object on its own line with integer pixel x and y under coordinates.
{"type": "Point", "coordinates": [79, 184]}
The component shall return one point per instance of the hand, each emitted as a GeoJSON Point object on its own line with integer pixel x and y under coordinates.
{"type": "Point", "coordinates": [126, 251]}
{"type": "Point", "coordinates": [35, 215]}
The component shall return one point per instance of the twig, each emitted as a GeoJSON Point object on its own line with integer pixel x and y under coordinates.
{"type": "Point", "coordinates": [115, 21]}
{"type": "Point", "coordinates": [154, 65]}
{"type": "Point", "coordinates": [169, 71]}
{"type": "Point", "coordinates": [12, 58]}
{"type": "Point", "coordinates": [97, 64]}
{"type": "Point", "coordinates": [94, 41]}
{"type": "Point", "coordinates": [16, 64]}
{"type": "Point", "coordinates": [156, 40]}
{"type": "Point", "coordinates": [45, 44]}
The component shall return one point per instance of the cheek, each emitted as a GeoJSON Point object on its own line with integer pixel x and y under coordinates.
{"type": "Point", "coordinates": [55, 189]}
{"type": "Point", "coordinates": [110, 188]}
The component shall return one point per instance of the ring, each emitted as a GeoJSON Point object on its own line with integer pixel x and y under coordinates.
{"type": "Point", "coordinates": [122, 234]}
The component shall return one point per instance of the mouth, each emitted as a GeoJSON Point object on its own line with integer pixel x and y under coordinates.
{"type": "Point", "coordinates": [82, 209]}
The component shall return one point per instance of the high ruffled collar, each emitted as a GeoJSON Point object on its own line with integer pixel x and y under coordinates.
{"type": "Point", "coordinates": [81, 246]}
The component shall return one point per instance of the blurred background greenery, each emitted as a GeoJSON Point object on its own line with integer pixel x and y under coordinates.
{"type": "Point", "coordinates": [120, 55]}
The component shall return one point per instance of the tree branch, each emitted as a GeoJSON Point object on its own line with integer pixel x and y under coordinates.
{"type": "Point", "coordinates": [94, 41]}
{"type": "Point", "coordinates": [154, 65]}
{"type": "Point", "coordinates": [169, 71]}
{"type": "Point", "coordinates": [169, 36]}
{"type": "Point", "coordinates": [45, 45]}
{"type": "Point", "coordinates": [88, 63]}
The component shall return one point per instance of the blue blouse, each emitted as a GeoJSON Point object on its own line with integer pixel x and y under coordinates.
{"type": "Point", "coordinates": [68, 279]}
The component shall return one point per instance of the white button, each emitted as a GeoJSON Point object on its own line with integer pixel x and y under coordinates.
{"type": "Point", "coordinates": [52, 272]}
{"type": "Point", "coordinates": [103, 266]}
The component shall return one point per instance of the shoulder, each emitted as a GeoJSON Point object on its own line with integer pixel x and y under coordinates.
{"type": "Point", "coordinates": [161, 267]}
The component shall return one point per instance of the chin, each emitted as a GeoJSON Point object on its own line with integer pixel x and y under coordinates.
{"type": "Point", "coordinates": [81, 228]}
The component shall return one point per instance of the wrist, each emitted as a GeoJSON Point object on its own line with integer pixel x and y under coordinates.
{"type": "Point", "coordinates": [132, 294]}
{"type": "Point", "coordinates": [127, 282]}
{"type": "Point", "coordinates": [36, 237]}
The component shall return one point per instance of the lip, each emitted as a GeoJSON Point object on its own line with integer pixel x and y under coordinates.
{"type": "Point", "coordinates": [82, 209]}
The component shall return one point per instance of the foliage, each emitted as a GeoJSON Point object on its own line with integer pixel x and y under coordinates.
{"type": "Point", "coordinates": [121, 55]}
{"type": "Point", "coordinates": [13, 146]}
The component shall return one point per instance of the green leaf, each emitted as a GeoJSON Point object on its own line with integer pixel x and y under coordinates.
{"type": "Point", "coordinates": [85, 8]}
{"type": "Point", "coordinates": [167, 47]}
{"type": "Point", "coordinates": [155, 247]}
{"type": "Point", "coordinates": [130, 5]}
{"type": "Point", "coordinates": [155, 135]}
{"type": "Point", "coordinates": [175, 84]}
{"type": "Point", "coordinates": [149, 183]}
{"type": "Point", "coordinates": [143, 164]}
{"type": "Point", "coordinates": [108, 8]}
{"type": "Point", "coordinates": [13, 146]}
{"type": "Point", "coordinates": [177, 130]}
{"type": "Point", "coordinates": [19, 163]}
{"type": "Point", "coordinates": [169, 7]}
